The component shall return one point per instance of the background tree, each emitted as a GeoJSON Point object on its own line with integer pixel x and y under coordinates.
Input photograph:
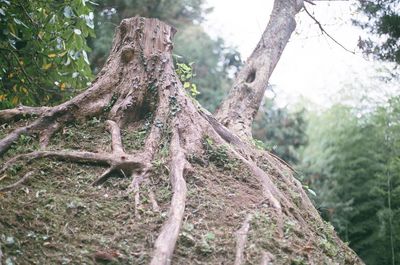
{"type": "Point", "coordinates": [282, 131]}
{"type": "Point", "coordinates": [382, 22]}
{"type": "Point", "coordinates": [351, 160]}
{"type": "Point", "coordinates": [43, 51]}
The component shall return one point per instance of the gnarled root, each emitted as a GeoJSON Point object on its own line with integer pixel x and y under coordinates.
{"type": "Point", "coordinates": [21, 112]}
{"type": "Point", "coordinates": [117, 161]}
{"type": "Point", "coordinates": [165, 243]}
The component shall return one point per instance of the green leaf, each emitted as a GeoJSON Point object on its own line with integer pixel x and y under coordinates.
{"type": "Point", "coordinates": [85, 57]}
{"type": "Point", "coordinates": [312, 192]}
{"type": "Point", "coordinates": [89, 20]}
{"type": "Point", "coordinates": [19, 22]}
{"type": "Point", "coordinates": [68, 12]}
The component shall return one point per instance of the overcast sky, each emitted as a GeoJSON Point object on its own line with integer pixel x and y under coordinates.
{"type": "Point", "coordinates": [312, 65]}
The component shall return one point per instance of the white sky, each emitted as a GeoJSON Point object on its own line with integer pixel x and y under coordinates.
{"type": "Point", "coordinates": [312, 65]}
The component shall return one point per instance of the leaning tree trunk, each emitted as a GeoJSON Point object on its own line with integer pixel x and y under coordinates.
{"type": "Point", "coordinates": [238, 110]}
{"type": "Point", "coordinates": [264, 216]}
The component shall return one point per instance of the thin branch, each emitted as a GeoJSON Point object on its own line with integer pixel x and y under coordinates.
{"type": "Point", "coordinates": [310, 2]}
{"type": "Point", "coordinates": [27, 13]}
{"type": "Point", "coordinates": [326, 33]}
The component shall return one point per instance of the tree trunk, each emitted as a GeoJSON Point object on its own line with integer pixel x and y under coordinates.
{"type": "Point", "coordinates": [238, 110]}
{"type": "Point", "coordinates": [243, 204]}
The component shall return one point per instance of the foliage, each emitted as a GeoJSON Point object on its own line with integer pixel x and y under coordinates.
{"type": "Point", "coordinates": [353, 161]}
{"type": "Point", "coordinates": [383, 23]}
{"type": "Point", "coordinates": [185, 74]}
{"type": "Point", "coordinates": [283, 132]}
{"type": "Point", "coordinates": [43, 50]}
{"type": "Point", "coordinates": [218, 155]}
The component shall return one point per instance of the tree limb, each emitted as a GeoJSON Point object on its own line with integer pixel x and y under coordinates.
{"type": "Point", "coordinates": [238, 110]}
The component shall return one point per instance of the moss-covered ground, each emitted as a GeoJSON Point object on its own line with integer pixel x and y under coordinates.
{"type": "Point", "coordinates": [57, 217]}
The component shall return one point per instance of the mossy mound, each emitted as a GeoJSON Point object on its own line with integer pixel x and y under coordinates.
{"type": "Point", "coordinates": [57, 217]}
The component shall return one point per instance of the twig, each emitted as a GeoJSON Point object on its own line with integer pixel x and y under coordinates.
{"type": "Point", "coordinates": [326, 33]}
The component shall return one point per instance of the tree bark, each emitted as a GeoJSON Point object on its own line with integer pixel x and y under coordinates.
{"type": "Point", "coordinates": [240, 107]}
{"type": "Point", "coordinates": [138, 80]}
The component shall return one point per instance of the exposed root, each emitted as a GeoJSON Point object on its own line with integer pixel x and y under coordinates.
{"type": "Point", "coordinates": [274, 196]}
{"type": "Point", "coordinates": [21, 112]}
{"type": "Point", "coordinates": [45, 135]}
{"type": "Point", "coordinates": [103, 177]}
{"type": "Point", "coordinates": [7, 141]}
{"type": "Point", "coordinates": [137, 200]}
{"type": "Point", "coordinates": [160, 120]}
{"type": "Point", "coordinates": [1, 255]}
{"type": "Point", "coordinates": [241, 239]}
{"type": "Point", "coordinates": [129, 163]}
{"type": "Point", "coordinates": [115, 137]}
{"type": "Point", "coordinates": [18, 183]}
{"type": "Point", "coordinates": [165, 243]}
{"type": "Point", "coordinates": [73, 156]}
{"type": "Point", "coordinates": [153, 201]}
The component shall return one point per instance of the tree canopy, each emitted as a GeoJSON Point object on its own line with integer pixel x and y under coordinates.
{"type": "Point", "coordinates": [382, 22]}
